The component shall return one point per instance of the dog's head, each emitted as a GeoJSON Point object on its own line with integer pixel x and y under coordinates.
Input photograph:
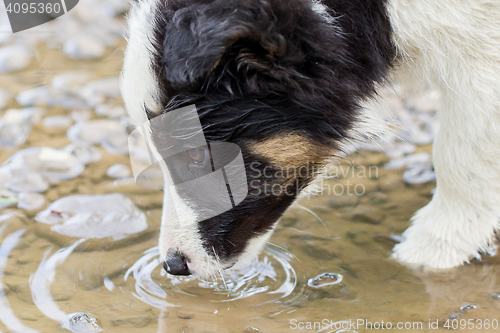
{"type": "Point", "coordinates": [278, 78]}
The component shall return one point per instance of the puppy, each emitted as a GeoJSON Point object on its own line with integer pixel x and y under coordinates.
{"type": "Point", "coordinates": [285, 80]}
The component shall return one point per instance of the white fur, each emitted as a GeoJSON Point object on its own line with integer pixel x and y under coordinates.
{"type": "Point", "coordinates": [253, 248]}
{"type": "Point", "coordinates": [138, 83]}
{"type": "Point", "coordinates": [454, 45]}
{"type": "Point", "coordinates": [139, 87]}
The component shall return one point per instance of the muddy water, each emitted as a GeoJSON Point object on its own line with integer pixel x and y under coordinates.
{"type": "Point", "coordinates": [119, 285]}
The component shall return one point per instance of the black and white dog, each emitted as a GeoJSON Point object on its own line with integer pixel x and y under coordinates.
{"type": "Point", "coordinates": [285, 81]}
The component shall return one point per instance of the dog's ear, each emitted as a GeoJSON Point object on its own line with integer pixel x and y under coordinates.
{"type": "Point", "coordinates": [219, 43]}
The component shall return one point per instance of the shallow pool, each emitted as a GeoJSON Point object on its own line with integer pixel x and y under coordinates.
{"type": "Point", "coordinates": [55, 279]}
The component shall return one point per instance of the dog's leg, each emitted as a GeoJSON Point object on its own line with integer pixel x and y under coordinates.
{"type": "Point", "coordinates": [462, 217]}
{"type": "Point", "coordinates": [453, 45]}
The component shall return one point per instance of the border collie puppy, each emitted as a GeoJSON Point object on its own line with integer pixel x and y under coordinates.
{"type": "Point", "coordinates": [285, 81]}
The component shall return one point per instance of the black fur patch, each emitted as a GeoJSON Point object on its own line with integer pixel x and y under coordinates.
{"type": "Point", "coordinates": [255, 68]}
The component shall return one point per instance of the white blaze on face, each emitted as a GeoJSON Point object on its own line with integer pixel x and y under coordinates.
{"type": "Point", "coordinates": [138, 82]}
{"type": "Point", "coordinates": [139, 87]}
{"type": "Point", "coordinates": [253, 248]}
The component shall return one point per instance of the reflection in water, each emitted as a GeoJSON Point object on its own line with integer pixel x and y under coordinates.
{"type": "Point", "coordinates": [7, 316]}
{"type": "Point", "coordinates": [41, 281]}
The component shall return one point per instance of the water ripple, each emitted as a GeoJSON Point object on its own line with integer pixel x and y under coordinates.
{"type": "Point", "coordinates": [272, 274]}
{"type": "Point", "coordinates": [7, 316]}
{"type": "Point", "coordinates": [40, 285]}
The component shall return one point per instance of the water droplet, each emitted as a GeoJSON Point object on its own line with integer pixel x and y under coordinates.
{"type": "Point", "coordinates": [82, 322]}
{"type": "Point", "coordinates": [468, 307]}
{"type": "Point", "coordinates": [325, 279]}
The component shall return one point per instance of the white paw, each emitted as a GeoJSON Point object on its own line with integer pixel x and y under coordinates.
{"type": "Point", "coordinates": [443, 238]}
{"type": "Point", "coordinates": [421, 249]}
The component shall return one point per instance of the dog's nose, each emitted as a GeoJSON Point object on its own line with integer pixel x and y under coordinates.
{"type": "Point", "coordinates": [176, 263]}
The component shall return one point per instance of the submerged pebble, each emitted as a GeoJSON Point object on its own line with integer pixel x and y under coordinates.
{"type": "Point", "coordinates": [15, 128]}
{"type": "Point", "coordinates": [30, 201]}
{"type": "Point", "coordinates": [94, 216]}
{"type": "Point", "coordinates": [69, 82]}
{"type": "Point", "coordinates": [26, 181]}
{"type": "Point", "coordinates": [110, 111]}
{"type": "Point", "coordinates": [419, 168]}
{"type": "Point", "coordinates": [118, 171]}
{"type": "Point", "coordinates": [325, 279]}
{"type": "Point", "coordinates": [85, 152]}
{"type": "Point", "coordinates": [52, 164]}
{"type": "Point", "coordinates": [46, 96]}
{"type": "Point", "coordinates": [95, 131]}
{"type": "Point", "coordinates": [4, 98]}
{"type": "Point", "coordinates": [419, 176]}
{"type": "Point", "coordinates": [57, 122]}
{"type": "Point", "coordinates": [96, 92]}
{"type": "Point", "coordinates": [14, 58]}
{"type": "Point", "coordinates": [83, 323]}
{"type": "Point", "coordinates": [35, 96]}
{"type": "Point", "coordinates": [84, 48]}
{"type": "Point", "coordinates": [112, 135]}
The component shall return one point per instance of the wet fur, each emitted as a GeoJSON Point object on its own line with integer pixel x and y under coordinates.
{"type": "Point", "coordinates": [258, 70]}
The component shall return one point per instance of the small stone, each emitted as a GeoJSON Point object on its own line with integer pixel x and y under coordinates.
{"type": "Point", "coordinates": [85, 152]}
{"type": "Point", "coordinates": [110, 111]}
{"type": "Point", "coordinates": [57, 122]}
{"type": "Point", "coordinates": [4, 98]}
{"type": "Point", "coordinates": [15, 128]}
{"type": "Point", "coordinates": [96, 92]}
{"type": "Point", "coordinates": [137, 322]}
{"type": "Point", "coordinates": [81, 116]}
{"type": "Point", "coordinates": [84, 48]}
{"type": "Point", "coordinates": [69, 82]}
{"type": "Point", "coordinates": [27, 182]}
{"type": "Point", "coordinates": [118, 171]}
{"type": "Point", "coordinates": [367, 214]}
{"type": "Point", "coordinates": [344, 201]}
{"type": "Point", "coordinates": [30, 201]}
{"type": "Point", "coordinates": [378, 198]}
{"type": "Point", "coordinates": [53, 164]}
{"type": "Point", "coordinates": [34, 114]}
{"type": "Point", "coordinates": [14, 58]}
{"type": "Point", "coordinates": [96, 131]}
{"type": "Point", "coordinates": [419, 176]}
{"type": "Point", "coordinates": [250, 329]}
{"type": "Point", "coordinates": [184, 315]}
{"type": "Point", "coordinates": [94, 216]}
{"type": "Point", "coordinates": [35, 96]}
{"type": "Point", "coordinates": [45, 96]}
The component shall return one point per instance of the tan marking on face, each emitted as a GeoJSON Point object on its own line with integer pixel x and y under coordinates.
{"type": "Point", "coordinates": [291, 150]}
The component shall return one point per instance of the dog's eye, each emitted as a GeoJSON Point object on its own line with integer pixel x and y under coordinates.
{"type": "Point", "coordinates": [198, 155]}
